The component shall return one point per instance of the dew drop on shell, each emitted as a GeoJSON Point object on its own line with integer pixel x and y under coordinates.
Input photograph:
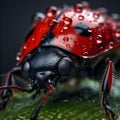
{"type": "Point", "coordinates": [68, 46]}
{"type": "Point", "coordinates": [117, 34]}
{"type": "Point", "coordinates": [96, 15]}
{"type": "Point", "coordinates": [66, 39]}
{"type": "Point", "coordinates": [67, 20]}
{"type": "Point", "coordinates": [33, 39]}
{"type": "Point", "coordinates": [25, 47]}
{"type": "Point", "coordinates": [85, 54]}
{"type": "Point", "coordinates": [111, 45]}
{"type": "Point", "coordinates": [81, 17]}
{"type": "Point", "coordinates": [101, 48]}
{"type": "Point", "coordinates": [65, 27]}
{"type": "Point", "coordinates": [99, 39]}
{"type": "Point", "coordinates": [90, 30]}
{"type": "Point", "coordinates": [18, 56]}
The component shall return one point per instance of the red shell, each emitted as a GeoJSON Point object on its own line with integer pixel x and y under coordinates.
{"type": "Point", "coordinates": [105, 32]}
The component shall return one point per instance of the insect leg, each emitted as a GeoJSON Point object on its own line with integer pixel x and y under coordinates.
{"type": "Point", "coordinates": [6, 93]}
{"type": "Point", "coordinates": [51, 90]}
{"type": "Point", "coordinates": [8, 87]}
{"type": "Point", "coordinates": [106, 87]}
{"type": "Point", "coordinates": [35, 94]}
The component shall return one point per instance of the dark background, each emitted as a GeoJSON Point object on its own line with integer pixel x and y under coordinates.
{"type": "Point", "coordinates": [15, 16]}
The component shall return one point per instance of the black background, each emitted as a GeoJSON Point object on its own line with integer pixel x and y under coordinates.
{"type": "Point", "coordinates": [15, 16]}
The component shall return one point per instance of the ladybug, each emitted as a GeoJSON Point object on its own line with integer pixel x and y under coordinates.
{"type": "Point", "coordinates": [56, 45]}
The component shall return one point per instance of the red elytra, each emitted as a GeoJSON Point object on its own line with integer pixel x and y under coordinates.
{"type": "Point", "coordinates": [104, 32]}
{"type": "Point", "coordinates": [109, 76]}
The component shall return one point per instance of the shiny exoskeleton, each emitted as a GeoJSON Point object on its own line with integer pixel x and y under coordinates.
{"type": "Point", "coordinates": [55, 47]}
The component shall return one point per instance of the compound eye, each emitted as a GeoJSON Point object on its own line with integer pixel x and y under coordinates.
{"type": "Point", "coordinates": [26, 69]}
{"type": "Point", "coordinates": [65, 66]}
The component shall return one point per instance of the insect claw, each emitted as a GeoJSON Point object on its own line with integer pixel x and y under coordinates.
{"type": "Point", "coordinates": [110, 115]}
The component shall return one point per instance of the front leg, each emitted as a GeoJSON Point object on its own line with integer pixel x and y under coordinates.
{"type": "Point", "coordinates": [6, 93]}
{"type": "Point", "coordinates": [51, 90]}
{"type": "Point", "coordinates": [8, 85]}
{"type": "Point", "coordinates": [106, 87]}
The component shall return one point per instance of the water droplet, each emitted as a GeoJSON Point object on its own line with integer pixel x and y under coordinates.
{"type": "Point", "coordinates": [111, 45]}
{"type": "Point", "coordinates": [85, 57]}
{"type": "Point", "coordinates": [106, 49]}
{"type": "Point", "coordinates": [68, 46]}
{"type": "Point", "coordinates": [117, 34]}
{"type": "Point", "coordinates": [33, 39]}
{"type": "Point", "coordinates": [18, 56]}
{"type": "Point", "coordinates": [78, 8]}
{"type": "Point", "coordinates": [81, 17]}
{"type": "Point", "coordinates": [61, 30]}
{"type": "Point", "coordinates": [101, 49]}
{"type": "Point", "coordinates": [67, 20]}
{"type": "Point", "coordinates": [51, 11]}
{"type": "Point", "coordinates": [85, 54]}
{"type": "Point", "coordinates": [65, 27]}
{"type": "Point", "coordinates": [66, 39]}
{"type": "Point", "coordinates": [90, 30]}
{"type": "Point", "coordinates": [25, 47]}
{"type": "Point", "coordinates": [91, 38]}
{"type": "Point", "coordinates": [96, 15]}
{"type": "Point", "coordinates": [99, 39]}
